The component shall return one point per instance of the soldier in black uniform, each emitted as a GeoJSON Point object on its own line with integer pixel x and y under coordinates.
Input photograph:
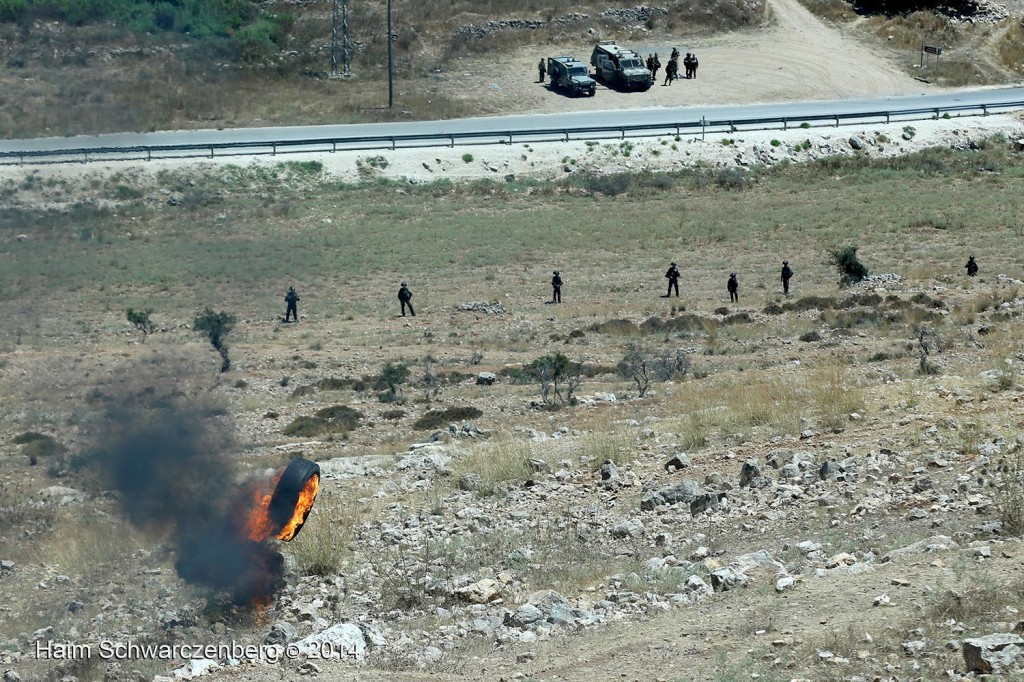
{"type": "Point", "coordinates": [673, 278]}
{"type": "Point", "coordinates": [972, 267]}
{"type": "Point", "coordinates": [671, 71]}
{"type": "Point", "coordinates": [733, 286]}
{"type": "Point", "coordinates": [405, 296]}
{"type": "Point", "coordinates": [657, 67]}
{"type": "Point", "coordinates": [675, 53]}
{"type": "Point", "coordinates": [688, 65]}
{"type": "Point", "coordinates": [693, 65]}
{"type": "Point", "coordinates": [787, 273]}
{"type": "Point", "coordinates": [541, 70]}
{"type": "Point", "coordinates": [292, 299]}
{"type": "Point", "coordinates": [556, 288]}
{"type": "Point", "coordinates": [650, 63]}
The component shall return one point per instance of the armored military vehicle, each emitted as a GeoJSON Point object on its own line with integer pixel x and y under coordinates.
{"type": "Point", "coordinates": [571, 75]}
{"type": "Point", "coordinates": [617, 66]}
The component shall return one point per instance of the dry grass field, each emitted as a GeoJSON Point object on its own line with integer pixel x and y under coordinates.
{"type": "Point", "coordinates": [924, 365]}
{"type": "Point", "coordinates": [852, 452]}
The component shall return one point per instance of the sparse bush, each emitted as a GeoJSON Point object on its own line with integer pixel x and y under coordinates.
{"type": "Point", "coordinates": [43, 446]}
{"type": "Point", "coordinates": [731, 179]}
{"type": "Point", "coordinates": [323, 544]}
{"type": "Point", "coordinates": [429, 381]}
{"type": "Point", "coordinates": [341, 416]}
{"type": "Point", "coordinates": [216, 326]}
{"type": "Point", "coordinates": [850, 269]}
{"type": "Point", "coordinates": [559, 377]}
{"type": "Point", "coordinates": [927, 341]}
{"type": "Point", "coordinates": [21, 512]}
{"type": "Point", "coordinates": [1009, 498]}
{"type": "Point", "coordinates": [333, 384]}
{"type": "Point", "coordinates": [140, 320]}
{"type": "Point", "coordinates": [306, 427]}
{"type": "Point", "coordinates": [467, 158]}
{"type": "Point", "coordinates": [435, 419]}
{"type": "Point", "coordinates": [634, 366]}
{"type": "Point", "coordinates": [390, 380]}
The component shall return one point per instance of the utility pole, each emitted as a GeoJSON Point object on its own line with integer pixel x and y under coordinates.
{"type": "Point", "coordinates": [391, 80]}
{"type": "Point", "coordinates": [346, 70]}
{"type": "Point", "coordinates": [346, 53]}
{"type": "Point", "coordinates": [334, 41]}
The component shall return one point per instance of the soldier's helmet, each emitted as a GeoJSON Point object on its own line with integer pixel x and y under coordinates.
{"type": "Point", "coordinates": [405, 284]}
{"type": "Point", "coordinates": [785, 262]}
{"type": "Point", "coordinates": [673, 263]}
{"type": "Point", "coordinates": [556, 272]}
{"type": "Point", "coordinates": [733, 274]}
{"type": "Point", "coordinates": [291, 288]}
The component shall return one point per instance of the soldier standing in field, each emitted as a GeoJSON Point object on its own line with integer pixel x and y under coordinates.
{"type": "Point", "coordinates": [671, 71]}
{"type": "Point", "coordinates": [292, 301]}
{"type": "Point", "coordinates": [693, 65]}
{"type": "Point", "coordinates": [540, 70]}
{"type": "Point", "coordinates": [556, 288]}
{"type": "Point", "coordinates": [673, 277]}
{"type": "Point", "coordinates": [405, 297]}
{"type": "Point", "coordinates": [972, 267]}
{"type": "Point", "coordinates": [650, 63]}
{"type": "Point", "coordinates": [733, 286]}
{"type": "Point", "coordinates": [675, 53]}
{"type": "Point", "coordinates": [657, 67]}
{"type": "Point", "coordinates": [787, 274]}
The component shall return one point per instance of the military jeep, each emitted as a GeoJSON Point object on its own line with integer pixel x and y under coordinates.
{"type": "Point", "coordinates": [571, 75]}
{"type": "Point", "coordinates": [617, 66]}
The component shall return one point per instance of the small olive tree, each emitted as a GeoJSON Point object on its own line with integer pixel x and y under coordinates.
{"type": "Point", "coordinates": [140, 320]}
{"type": "Point", "coordinates": [216, 326]}
{"type": "Point", "coordinates": [559, 377]}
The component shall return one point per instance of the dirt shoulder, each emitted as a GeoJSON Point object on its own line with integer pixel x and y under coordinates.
{"type": "Point", "coordinates": [794, 57]}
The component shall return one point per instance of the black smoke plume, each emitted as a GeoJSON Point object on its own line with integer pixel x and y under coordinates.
{"type": "Point", "coordinates": [170, 463]}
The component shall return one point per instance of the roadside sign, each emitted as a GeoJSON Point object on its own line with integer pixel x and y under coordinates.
{"type": "Point", "coordinates": [931, 49]}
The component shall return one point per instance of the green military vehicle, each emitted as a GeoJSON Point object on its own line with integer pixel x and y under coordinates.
{"type": "Point", "coordinates": [571, 75]}
{"type": "Point", "coordinates": [619, 67]}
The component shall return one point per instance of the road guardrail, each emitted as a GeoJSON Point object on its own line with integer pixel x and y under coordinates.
{"type": "Point", "coordinates": [701, 127]}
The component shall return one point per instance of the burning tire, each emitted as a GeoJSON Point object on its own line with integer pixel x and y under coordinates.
{"type": "Point", "coordinates": [293, 497]}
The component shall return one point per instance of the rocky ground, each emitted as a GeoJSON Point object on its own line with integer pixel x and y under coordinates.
{"type": "Point", "coordinates": [819, 493]}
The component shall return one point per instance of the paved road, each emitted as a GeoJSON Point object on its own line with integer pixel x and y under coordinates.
{"type": "Point", "coordinates": [497, 124]}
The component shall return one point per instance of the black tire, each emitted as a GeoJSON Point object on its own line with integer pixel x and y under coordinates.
{"type": "Point", "coordinates": [286, 493]}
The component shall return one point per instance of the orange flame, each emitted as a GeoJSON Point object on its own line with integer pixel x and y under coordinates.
{"type": "Point", "coordinates": [260, 526]}
{"type": "Point", "coordinates": [302, 508]}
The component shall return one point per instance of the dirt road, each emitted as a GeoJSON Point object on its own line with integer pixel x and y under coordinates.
{"type": "Point", "coordinates": [794, 57]}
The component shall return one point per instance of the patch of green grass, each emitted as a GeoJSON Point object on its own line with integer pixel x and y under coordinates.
{"type": "Point", "coordinates": [435, 419]}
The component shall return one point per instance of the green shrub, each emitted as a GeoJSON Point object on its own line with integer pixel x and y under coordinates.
{"type": "Point", "coordinates": [850, 269]}
{"type": "Point", "coordinates": [334, 384]}
{"type": "Point", "coordinates": [29, 436]}
{"type": "Point", "coordinates": [435, 419]}
{"type": "Point", "coordinates": [559, 377]}
{"type": "Point", "coordinates": [140, 320]}
{"type": "Point", "coordinates": [731, 178]}
{"type": "Point", "coordinates": [11, 9]}
{"type": "Point", "coordinates": [390, 379]}
{"type": "Point", "coordinates": [341, 415]}
{"type": "Point", "coordinates": [467, 158]}
{"type": "Point", "coordinates": [35, 445]}
{"type": "Point", "coordinates": [306, 427]}
{"type": "Point", "coordinates": [216, 326]}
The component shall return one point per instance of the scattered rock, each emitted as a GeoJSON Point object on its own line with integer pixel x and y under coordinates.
{"type": "Point", "coordinates": [480, 592]}
{"type": "Point", "coordinates": [678, 463]}
{"type": "Point", "coordinates": [995, 653]}
{"type": "Point", "coordinates": [486, 378]}
{"type": "Point", "coordinates": [684, 491]}
{"type": "Point", "coordinates": [492, 308]}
